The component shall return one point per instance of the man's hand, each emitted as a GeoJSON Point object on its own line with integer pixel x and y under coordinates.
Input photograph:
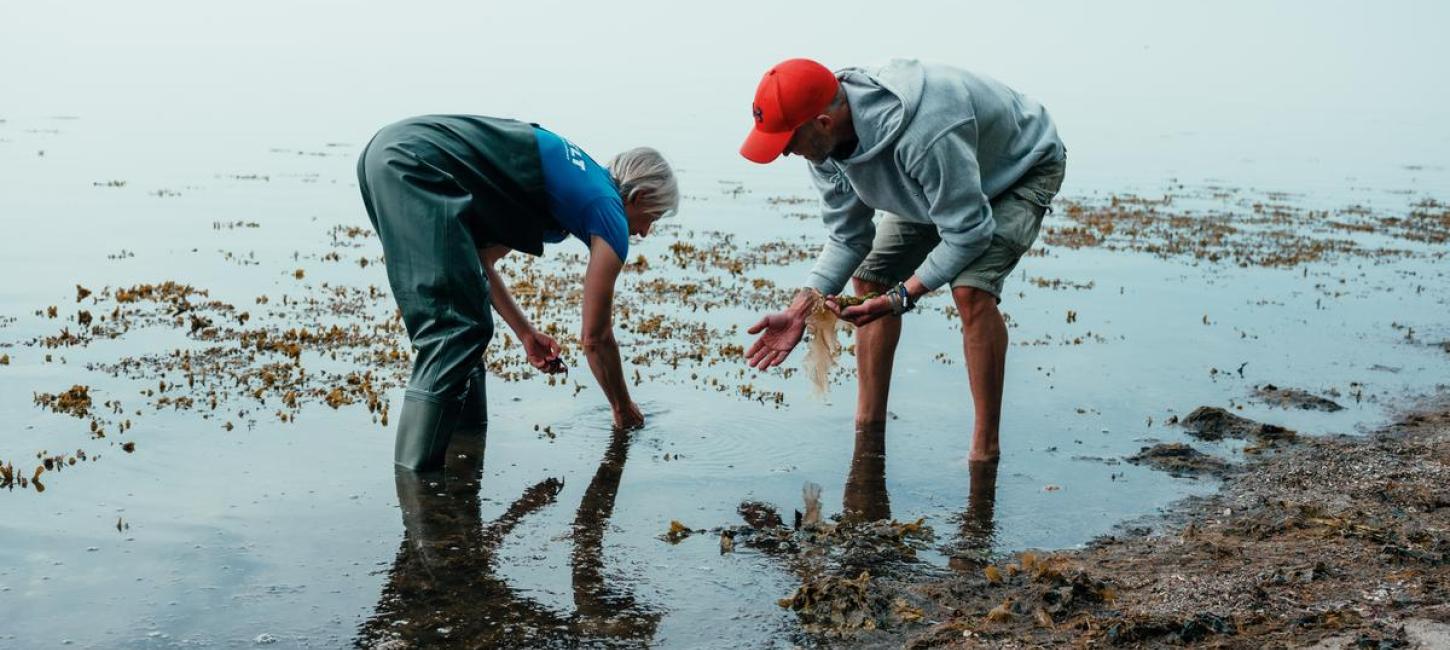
{"type": "Point", "coordinates": [541, 349]}
{"type": "Point", "coordinates": [783, 331]}
{"type": "Point", "coordinates": [628, 417]}
{"type": "Point", "coordinates": [863, 313]}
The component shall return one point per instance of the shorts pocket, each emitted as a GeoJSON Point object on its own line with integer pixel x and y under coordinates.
{"type": "Point", "coordinates": [1019, 217]}
{"type": "Point", "coordinates": [1019, 212]}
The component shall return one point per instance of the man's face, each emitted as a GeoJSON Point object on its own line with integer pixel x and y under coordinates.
{"type": "Point", "coordinates": [811, 141]}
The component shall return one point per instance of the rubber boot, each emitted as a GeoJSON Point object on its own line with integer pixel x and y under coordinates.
{"type": "Point", "coordinates": [474, 419]}
{"type": "Point", "coordinates": [424, 429]}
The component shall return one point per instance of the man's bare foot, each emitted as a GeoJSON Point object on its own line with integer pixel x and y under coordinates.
{"type": "Point", "coordinates": [984, 447]}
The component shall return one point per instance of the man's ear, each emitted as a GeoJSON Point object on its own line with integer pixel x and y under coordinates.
{"type": "Point", "coordinates": [825, 120]}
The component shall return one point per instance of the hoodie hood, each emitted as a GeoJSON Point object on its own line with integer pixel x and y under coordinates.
{"type": "Point", "coordinates": [883, 101]}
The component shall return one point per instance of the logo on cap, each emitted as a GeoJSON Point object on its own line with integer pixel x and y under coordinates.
{"type": "Point", "coordinates": [759, 114]}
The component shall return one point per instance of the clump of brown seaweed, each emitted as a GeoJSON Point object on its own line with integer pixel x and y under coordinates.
{"type": "Point", "coordinates": [1295, 398]}
{"type": "Point", "coordinates": [1179, 459]}
{"type": "Point", "coordinates": [850, 569]}
{"type": "Point", "coordinates": [824, 348]}
{"type": "Point", "coordinates": [1213, 423]}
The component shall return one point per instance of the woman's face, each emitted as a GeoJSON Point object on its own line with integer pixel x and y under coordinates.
{"type": "Point", "coordinates": [639, 218]}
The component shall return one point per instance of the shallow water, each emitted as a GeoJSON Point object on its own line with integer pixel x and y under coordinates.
{"type": "Point", "coordinates": [300, 531]}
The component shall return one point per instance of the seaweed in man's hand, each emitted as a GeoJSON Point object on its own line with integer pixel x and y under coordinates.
{"type": "Point", "coordinates": [824, 348]}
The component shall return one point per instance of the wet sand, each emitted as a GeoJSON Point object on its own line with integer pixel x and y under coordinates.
{"type": "Point", "coordinates": [1331, 542]}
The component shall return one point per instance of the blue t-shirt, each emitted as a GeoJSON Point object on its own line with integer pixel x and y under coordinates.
{"type": "Point", "coordinates": [582, 195]}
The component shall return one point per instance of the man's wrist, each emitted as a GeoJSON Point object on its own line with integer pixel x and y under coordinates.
{"type": "Point", "coordinates": [901, 299]}
{"type": "Point", "coordinates": [916, 288]}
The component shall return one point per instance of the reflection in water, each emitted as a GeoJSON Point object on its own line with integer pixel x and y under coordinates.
{"type": "Point", "coordinates": [865, 495]}
{"type": "Point", "coordinates": [978, 532]}
{"type": "Point", "coordinates": [442, 590]}
{"type": "Point", "coordinates": [601, 610]}
{"type": "Point", "coordinates": [866, 498]}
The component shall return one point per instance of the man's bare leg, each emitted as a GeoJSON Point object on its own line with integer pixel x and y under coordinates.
{"type": "Point", "coordinates": [875, 351]}
{"type": "Point", "coordinates": [984, 343]}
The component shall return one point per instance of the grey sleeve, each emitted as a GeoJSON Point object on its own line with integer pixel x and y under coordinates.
{"type": "Point", "coordinates": [951, 180]}
{"type": "Point", "coordinates": [849, 226]}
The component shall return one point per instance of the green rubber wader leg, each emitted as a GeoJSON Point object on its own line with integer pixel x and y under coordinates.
{"type": "Point", "coordinates": [474, 419]}
{"type": "Point", "coordinates": [424, 429]}
{"type": "Point", "coordinates": [418, 210]}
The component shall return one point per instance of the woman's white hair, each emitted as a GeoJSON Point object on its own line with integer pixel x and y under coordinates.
{"type": "Point", "coordinates": [643, 175]}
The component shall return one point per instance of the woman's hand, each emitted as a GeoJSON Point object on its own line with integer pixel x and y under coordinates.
{"type": "Point", "coordinates": [628, 416]}
{"type": "Point", "coordinates": [540, 348]}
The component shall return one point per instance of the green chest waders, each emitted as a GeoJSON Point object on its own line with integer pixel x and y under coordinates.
{"type": "Point", "coordinates": [437, 188]}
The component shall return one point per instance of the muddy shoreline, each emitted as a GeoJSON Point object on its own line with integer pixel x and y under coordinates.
{"type": "Point", "coordinates": [1332, 541]}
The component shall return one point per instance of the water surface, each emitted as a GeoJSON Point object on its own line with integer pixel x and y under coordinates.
{"type": "Point", "coordinates": [301, 532]}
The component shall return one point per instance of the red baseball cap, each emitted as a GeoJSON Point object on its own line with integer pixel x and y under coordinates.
{"type": "Point", "coordinates": [789, 95]}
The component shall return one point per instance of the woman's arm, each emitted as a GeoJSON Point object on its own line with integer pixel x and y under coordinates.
{"type": "Point", "coordinates": [503, 301]}
{"type": "Point", "coordinates": [598, 332]}
{"type": "Point", "coordinates": [540, 348]}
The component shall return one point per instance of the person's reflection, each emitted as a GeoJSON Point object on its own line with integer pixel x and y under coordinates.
{"type": "Point", "coordinates": [442, 590]}
{"type": "Point", "coordinates": [865, 497]}
{"type": "Point", "coordinates": [602, 610]}
{"type": "Point", "coordinates": [978, 531]}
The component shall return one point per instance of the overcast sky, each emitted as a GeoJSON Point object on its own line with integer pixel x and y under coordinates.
{"type": "Point", "coordinates": [1132, 84]}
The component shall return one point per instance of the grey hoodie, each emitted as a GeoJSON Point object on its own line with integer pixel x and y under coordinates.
{"type": "Point", "coordinates": [937, 144]}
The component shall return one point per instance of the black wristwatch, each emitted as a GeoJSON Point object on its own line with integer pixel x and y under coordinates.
{"type": "Point", "coordinates": [901, 300]}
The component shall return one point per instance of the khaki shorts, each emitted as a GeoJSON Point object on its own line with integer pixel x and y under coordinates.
{"type": "Point", "coordinates": [900, 246]}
